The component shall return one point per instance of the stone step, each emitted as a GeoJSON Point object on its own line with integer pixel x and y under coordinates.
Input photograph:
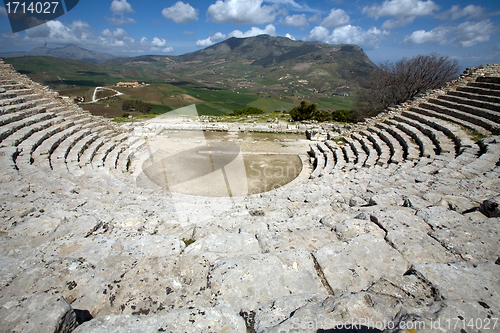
{"type": "Point", "coordinates": [461, 118]}
{"type": "Point", "coordinates": [337, 154]}
{"type": "Point", "coordinates": [78, 149]}
{"type": "Point", "coordinates": [479, 91]}
{"type": "Point", "coordinates": [489, 79]}
{"type": "Point", "coordinates": [460, 137]}
{"type": "Point", "coordinates": [6, 95]}
{"type": "Point", "coordinates": [13, 86]}
{"type": "Point", "coordinates": [485, 85]}
{"type": "Point", "coordinates": [24, 92]}
{"type": "Point", "coordinates": [480, 111]}
{"type": "Point", "coordinates": [317, 159]}
{"type": "Point", "coordinates": [358, 152]}
{"type": "Point", "coordinates": [17, 116]}
{"type": "Point", "coordinates": [102, 153]}
{"type": "Point", "coordinates": [383, 150]}
{"type": "Point", "coordinates": [475, 97]}
{"type": "Point", "coordinates": [7, 156]}
{"type": "Point", "coordinates": [41, 157]}
{"type": "Point", "coordinates": [329, 159]}
{"type": "Point", "coordinates": [367, 146]}
{"type": "Point", "coordinates": [111, 160]}
{"type": "Point", "coordinates": [89, 153]}
{"type": "Point", "coordinates": [487, 161]}
{"type": "Point", "coordinates": [28, 146]}
{"type": "Point", "coordinates": [125, 158]}
{"type": "Point", "coordinates": [25, 132]}
{"type": "Point", "coordinates": [16, 107]}
{"type": "Point", "coordinates": [427, 125]}
{"type": "Point", "coordinates": [4, 82]}
{"type": "Point", "coordinates": [397, 150]}
{"type": "Point", "coordinates": [492, 108]}
{"type": "Point", "coordinates": [58, 157]}
{"type": "Point", "coordinates": [427, 147]}
{"type": "Point", "coordinates": [12, 101]}
{"type": "Point", "coordinates": [349, 156]}
{"type": "Point", "coordinates": [13, 127]}
{"type": "Point", "coordinates": [411, 151]}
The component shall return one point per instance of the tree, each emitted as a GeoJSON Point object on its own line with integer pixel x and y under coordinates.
{"type": "Point", "coordinates": [303, 111]}
{"type": "Point", "coordinates": [395, 83]}
{"type": "Point", "coordinates": [140, 106]}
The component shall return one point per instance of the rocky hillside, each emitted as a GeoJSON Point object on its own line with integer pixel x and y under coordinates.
{"type": "Point", "coordinates": [276, 64]}
{"type": "Point", "coordinates": [69, 52]}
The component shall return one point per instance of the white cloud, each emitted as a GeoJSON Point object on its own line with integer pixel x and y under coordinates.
{"type": "Point", "coordinates": [469, 33]}
{"type": "Point", "coordinates": [254, 31]}
{"type": "Point", "coordinates": [435, 36]}
{"type": "Point", "coordinates": [119, 7]}
{"type": "Point", "coordinates": [120, 20]}
{"type": "Point", "coordinates": [290, 36]}
{"type": "Point", "coordinates": [3, 11]}
{"type": "Point", "coordinates": [159, 45]}
{"type": "Point", "coordinates": [144, 40]}
{"type": "Point", "coordinates": [242, 12]}
{"type": "Point", "coordinates": [457, 12]}
{"type": "Point", "coordinates": [296, 21]}
{"type": "Point", "coordinates": [210, 40]}
{"type": "Point", "coordinates": [180, 12]}
{"type": "Point", "coordinates": [291, 3]}
{"type": "Point", "coordinates": [405, 11]}
{"type": "Point", "coordinates": [337, 18]}
{"type": "Point", "coordinates": [158, 42]}
{"type": "Point", "coordinates": [466, 34]}
{"type": "Point", "coordinates": [117, 42]}
{"type": "Point", "coordinates": [348, 34]}
{"type": "Point", "coordinates": [319, 34]}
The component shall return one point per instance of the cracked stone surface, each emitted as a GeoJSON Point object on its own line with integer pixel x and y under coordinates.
{"type": "Point", "coordinates": [93, 248]}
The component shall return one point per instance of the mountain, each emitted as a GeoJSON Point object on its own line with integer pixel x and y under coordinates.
{"type": "Point", "coordinates": [272, 68]}
{"type": "Point", "coordinates": [275, 64]}
{"type": "Point", "coordinates": [68, 51]}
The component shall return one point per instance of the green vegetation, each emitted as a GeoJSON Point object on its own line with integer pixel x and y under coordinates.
{"type": "Point", "coordinates": [140, 106]}
{"type": "Point", "coordinates": [246, 111]}
{"type": "Point", "coordinates": [188, 241]}
{"type": "Point", "coordinates": [311, 112]}
{"type": "Point", "coordinates": [303, 111]}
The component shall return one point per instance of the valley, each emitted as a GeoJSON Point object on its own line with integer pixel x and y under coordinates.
{"type": "Point", "coordinates": [270, 73]}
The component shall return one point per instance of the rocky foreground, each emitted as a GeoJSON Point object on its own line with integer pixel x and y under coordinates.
{"type": "Point", "coordinates": [397, 230]}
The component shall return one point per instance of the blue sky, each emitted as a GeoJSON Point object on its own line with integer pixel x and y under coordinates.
{"type": "Point", "coordinates": [387, 30]}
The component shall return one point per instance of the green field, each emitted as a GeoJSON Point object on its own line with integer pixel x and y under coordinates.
{"type": "Point", "coordinates": [166, 93]}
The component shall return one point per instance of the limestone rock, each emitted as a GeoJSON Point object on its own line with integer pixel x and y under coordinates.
{"type": "Point", "coordinates": [352, 228]}
{"type": "Point", "coordinates": [440, 217]}
{"type": "Point", "coordinates": [310, 239]}
{"type": "Point", "coordinates": [351, 268]}
{"type": "Point", "coordinates": [245, 282]}
{"type": "Point", "coordinates": [37, 313]}
{"type": "Point", "coordinates": [324, 315]}
{"type": "Point", "coordinates": [224, 245]}
{"type": "Point", "coordinates": [196, 320]}
{"type": "Point", "coordinates": [387, 197]}
{"type": "Point", "coordinates": [449, 280]}
{"type": "Point", "coordinates": [477, 241]}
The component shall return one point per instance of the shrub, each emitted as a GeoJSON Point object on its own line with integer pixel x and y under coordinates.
{"type": "Point", "coordinates": [303, 111]}
{"type": "Point", "coordinates": [140, 106]}
{"type": "Point", "coordinates": [246, 111]}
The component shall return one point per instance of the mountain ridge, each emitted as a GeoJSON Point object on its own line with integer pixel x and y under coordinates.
{"type": "Point", "coordinates": [69, 51]}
